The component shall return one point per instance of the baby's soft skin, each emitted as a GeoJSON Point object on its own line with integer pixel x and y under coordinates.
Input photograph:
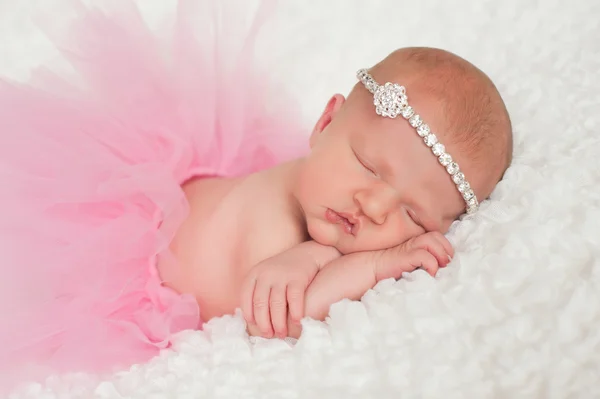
{"type": "Point", "coordinates": [370, 201]}
{"type": "Point", "coordinates": [307, 279]}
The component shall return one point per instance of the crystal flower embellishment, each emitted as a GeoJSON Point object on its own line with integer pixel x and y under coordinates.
{"type": "Point", "coordinates": [390, 100]}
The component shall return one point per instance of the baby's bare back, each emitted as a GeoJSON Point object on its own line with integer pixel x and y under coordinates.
{"type": "Point", "coordinates": [231, 227]}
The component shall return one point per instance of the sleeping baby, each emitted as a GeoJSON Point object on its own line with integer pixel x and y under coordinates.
{"type": "Point", "coordinates": [423, 137]}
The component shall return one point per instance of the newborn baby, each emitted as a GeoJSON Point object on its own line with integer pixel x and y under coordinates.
{"type": "Point", "coordinates": [390, 169]}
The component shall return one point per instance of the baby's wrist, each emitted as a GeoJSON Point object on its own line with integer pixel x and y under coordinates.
{"type": "Point", "coordinates": [321, 254]}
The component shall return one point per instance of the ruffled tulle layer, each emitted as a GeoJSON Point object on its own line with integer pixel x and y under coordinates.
{"type": "Point", "coordinates": [91, 168]}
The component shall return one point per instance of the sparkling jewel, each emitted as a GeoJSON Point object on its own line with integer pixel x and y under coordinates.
{"type": "Point", "coordinates": [389, 100]}
{"type": "Point", "coordinates": [423, 130]}
{"type": "Point", "coordinates": [438, 149]}
{"type": "Point", "coordinates": [445, 159]}
{"type": "Point", "coordinates": [367, 80]}
{"type": "Point", "coordinates": [472, 202]}
{"type": "Point", "coordinates": [401, 90]}
{"type": "Point", "coordinates": [407, 112]}
{"type": "Point", "coordinates": [463, 187]}
{"type": "Point", "coordinates": [452, 168]}
{"type": "Point", "coordinates": [430, 140]}
{"type": "Point", "coordinates": [458, 178]}
{"type": "Point", "coordinates": [415, 121]}
{"type": "Point", "coordinates": [467, 195]}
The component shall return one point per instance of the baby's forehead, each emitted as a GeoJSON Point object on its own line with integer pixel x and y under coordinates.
{"type": "Point", "coordinates": [361, 117]}
{"type": "Point", "coordinates": [457, 101]}
{"type": "Point", "coordinates": [433, 104]}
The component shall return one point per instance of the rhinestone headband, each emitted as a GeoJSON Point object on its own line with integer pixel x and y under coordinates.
{"type": "Point", "coordinates": [390, 100]}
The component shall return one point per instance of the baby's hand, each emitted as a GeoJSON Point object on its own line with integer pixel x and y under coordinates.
{"type": "Point", "coordinates": [279, 283]}
{"type": "Point", "coordinates": [429, 251]}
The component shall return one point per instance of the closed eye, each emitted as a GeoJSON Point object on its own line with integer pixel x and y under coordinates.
{"type": "Point", "coordinates": [364, 164]}
{"type": "Point", "coordinates": [414, 218]}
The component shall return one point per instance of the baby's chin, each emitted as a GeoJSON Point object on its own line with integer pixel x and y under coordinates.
{"type": "Point", "coordinates": [328, 234]}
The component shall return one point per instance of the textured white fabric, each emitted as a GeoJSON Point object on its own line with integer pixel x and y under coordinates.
{"type": "Point", "coordinates": [515, 315]}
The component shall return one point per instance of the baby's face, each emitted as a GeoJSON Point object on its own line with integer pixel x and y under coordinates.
{"type": "Point", "coordinates": [371, 183]}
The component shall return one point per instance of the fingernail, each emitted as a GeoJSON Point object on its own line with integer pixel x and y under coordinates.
{"type": "Point", "coordinates": [449, 258]}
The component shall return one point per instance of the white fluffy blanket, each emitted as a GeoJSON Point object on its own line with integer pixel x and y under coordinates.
{"type": "Point", "coordinates": [515, 315]}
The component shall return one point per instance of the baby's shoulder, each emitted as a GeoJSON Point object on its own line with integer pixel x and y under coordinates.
{"type": "Point", "coordinates": [205, 194]}
{"type": "Point", "coordinates": [204, 225]}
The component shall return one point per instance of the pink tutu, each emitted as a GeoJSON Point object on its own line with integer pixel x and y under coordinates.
{"type": "Point", "coordinates": [91, 169]}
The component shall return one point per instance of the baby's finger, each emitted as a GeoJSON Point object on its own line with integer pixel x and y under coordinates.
{"type": "Point", "coordinates": [432, 242]}
{"type": "Point", "coordinates": [423, 259]}
{"type": "Point", "coordinates": [260, 303]}
{"type": "Point", "coordinates": [246, 300]}
{"type": "Point", "coordinates": [278, 305]}
{"type": "Point", "coordinates": [446, 244]}
{"type": "Point", "coordinates": [295, 298]}
{"type": "Point", "coordinates": [391, 263]}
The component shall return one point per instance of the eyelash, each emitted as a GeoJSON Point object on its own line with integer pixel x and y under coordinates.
{"type": "Point", "coordinates": [364, 165]}
{"type": "Point", "coordinates": [413, 219]}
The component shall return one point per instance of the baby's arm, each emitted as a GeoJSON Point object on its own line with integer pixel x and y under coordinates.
{"type": "Point", "coordinates": [351, 276]}
{"type": "Point", "coordinates": [276, 287]}
{"type": "Point", "coordinates": [348, 277]}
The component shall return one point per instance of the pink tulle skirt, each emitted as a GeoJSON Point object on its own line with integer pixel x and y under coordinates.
{"type": "Point", "coordinates": [91, 167]}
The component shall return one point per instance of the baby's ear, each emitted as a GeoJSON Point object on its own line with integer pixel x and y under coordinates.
{"type": "Point", "coordinates": [333, 106]}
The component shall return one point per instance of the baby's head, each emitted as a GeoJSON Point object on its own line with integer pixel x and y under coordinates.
{"type": "Point", "coordinates": [383, 179]}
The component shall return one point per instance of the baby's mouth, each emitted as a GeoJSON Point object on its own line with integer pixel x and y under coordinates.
{"type": "Point", "coordinates": [336, 218]}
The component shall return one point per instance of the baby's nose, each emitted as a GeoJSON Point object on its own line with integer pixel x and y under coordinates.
{"type": "Point", "coordinates": [376, 205]}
